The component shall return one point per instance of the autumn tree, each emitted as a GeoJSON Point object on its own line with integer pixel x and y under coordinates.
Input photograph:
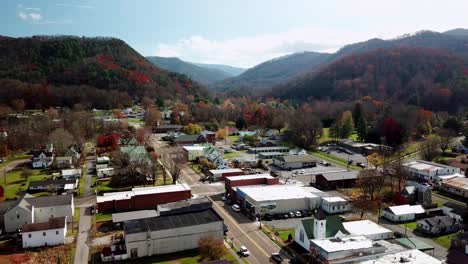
{"type": "Point", "coordinates": [357, 113]}
{"type": "Point", "coordinates": [222, 133]}
{"type": "Point", "coordinates": [424, 126]}
{"type": "Point", "coordinates": [152, 116]}
{"type": "Point", "coordinates": [346, 124]}
{"type": "Point", "coordinates": [211, 248]}
{"type": "Point", "coordinates": [19, 105]}
{"type": "Point", "coordinates": [465, 137]}
{"type": "Point", "coordinates": [391, 131]}
{"type": "Point", "coordinates": [364, 205]}
{"type": "Point", "coordinates": [445, 136]}
{"type": "Point", "coordinates": [370, 182]}
{"type": "Point", "coordinates": [3, 150]}
{"type": "Point", "coordinates": [130, 171]}
{"type": "Point", "coordinates": [61, 139]}
{"type": "Point", "coordinates": [430, 147]}
{"type": "Point", "coordinates": [192, 129]}
{"type": "Point", "coordinates": [304, 129]}
{"type": "Point", "coordinates": [375, 159]}
{"type": "Point", "coordinates": [240, 123]}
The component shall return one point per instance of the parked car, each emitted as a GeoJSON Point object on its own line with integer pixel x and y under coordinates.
{"type": "Point", "coordinates": [325, 163]}
{"type": "Point", "coordinates": [291, 214]}
{"type": "Point", "coordinates": [225, 229]}
{"type": "Point", "coordinates": [304, 213]}
{"type": "Point", "coordinates": [276, 257]}
{"type": "Point", "coordinates": [223, 198]}
{"type": "Point", "coordinates": [359, 164]}
{"type": "Point", "coordinates": [243, 251]}
{"type": "Point", "coordinates": [285, 216]}
{"type": "Point", "coordinates": [298, 214]}
{"type": "Point", "coordinates": [301, 171]}
{"type": "Point", "coordinates": [268, 217]}
{"type": "Point", "coordinates": [236, 207]}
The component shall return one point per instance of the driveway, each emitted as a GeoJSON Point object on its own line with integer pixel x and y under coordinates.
{"type": "Point", "coordinates": [12, 164]}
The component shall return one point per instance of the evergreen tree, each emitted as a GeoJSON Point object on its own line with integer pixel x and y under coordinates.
{"type": "Point", "coordinates": [361, 128]}
{"type": "Point", "coordinates": [334, 131]}
{"type": "Point", "coordinates": [465, 140]}
{"type": "Point", "coordinates": [357, 113]}
{"type": "Point", "coordinates": [347, 125]}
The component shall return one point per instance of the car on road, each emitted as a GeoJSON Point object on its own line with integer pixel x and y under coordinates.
{"type": "Point", "coordinates": [236, 207]}
{"type": "Point", "coordinates": [325, 163]}
{"type": "Point", "coordinates": [298, 214]}
{"type": "Point", "coordinates": [267, 217]}
{"type": "Point", "coordinates": [360, 164]}
{"type": "Point", "coordinates": [301, 171]}
{"type": "Point", "coordinates": [292, 215]}
{"type": "Point", "coordinates": [276, 257]}
{"type": "Point", "coordinates": [243, 251]}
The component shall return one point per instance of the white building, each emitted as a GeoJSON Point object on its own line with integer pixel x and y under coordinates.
{"type": "Point", "coordinates": [368, 229]}
{"type": "Point", "coordinates": [412, 256]}
{"type": "Point", "coordinates": [431, 171]}
{"type": "Point", "coordinates": [193, 152]}
{"type": "Point", "coordinates": [104, 172]}
{"type": "Point", "coordinates": [42, 159]}
{"type": "Point", "coordinates": [71, 173]}
{"type": "Point", "coordinates": [402, 213]}
{"type": "Point", "coordinates": [49, 233]}
{"type": "Point", "coordinates": [336, 250]}
{"type": "Point", "coordinates": [38, 209]}
{"type": "Point", "coordinates": [275, 199]}
{"type": "Point", "coordinates": [335, 205]}
{"type": "Point", "coordinates": [456, 211]}
{"type": "Point", "coordinates": [171, 233]}
{"type": "Point", "coordinates": [220, 174]}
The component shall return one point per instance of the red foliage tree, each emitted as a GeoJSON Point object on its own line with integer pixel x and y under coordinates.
{"type": "Point", "coordinates": [391, 131]}
{"type": "Point", "coordinates": [109, 141]}
{"type": "Point", "coordinates": [399, 199]}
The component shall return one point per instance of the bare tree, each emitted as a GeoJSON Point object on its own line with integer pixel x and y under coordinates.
{"type": "Point", "coordinates": [61, 139]}
{"type": "Point", "coordinates": [370, 182]}
{"type": "Point", "coordinates": [446, 136]}
{"type": "Point", "coordinates": [364, 205]}
{"type": "Point", "coordinates": [130, 171]}
{"type": "Point", "coordinates": [430, 147]}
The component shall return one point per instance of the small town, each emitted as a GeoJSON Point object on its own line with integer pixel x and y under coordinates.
{"type": "Point", "coordinates": [233, 132]}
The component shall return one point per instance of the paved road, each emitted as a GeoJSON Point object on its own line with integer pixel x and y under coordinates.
{"type": "Point", "coordinates": [11, 165]}
{"type": "Point", "coordinates": [84, 225]}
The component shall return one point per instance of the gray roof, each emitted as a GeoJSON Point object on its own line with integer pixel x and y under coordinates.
{"type": "Point", "coordinates": [439, 221]}
{"type": "Point", "coordinates": [171, 221]}
{"type": "Point", "coordinates": [189, 205]}
{"type": "Point", "coordinates": [296, 158]}
{"type": "Point", "coordinates": [52, 182]}
{"type": "Point", "coordinates": [49, 201]}
{"type": "Point", "coordinates": [133, 215]}
{"type": "Point", "coordinates": [5, 206]}
{"type": "Point", "coordinates": [457, 209]}
{"type": "Point", "coordinates": [183, 138]}
{"type": "Point", "coordinates": [337, 176]}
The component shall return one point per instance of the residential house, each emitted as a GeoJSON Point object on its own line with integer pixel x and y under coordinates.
{"type": "Point", "coordinates": [128, 140]}
{"type": "Point", "coordinates": [460, 149]}
{"type": "Point", "coordinates": [72, 173]}
{"type": "Point", "coordinates": [363, 148]}
{"type": "Point", "coordinates": [167, 128]}
{"type": "Point", "coordinates": [104, 172]}
{"type": "Point", "coordinates": [297, 151]}
{"type": "Point", "coordinates": [402, 213]}
{"type": "Point", "coordinates": [431, 171]}
{"type": "Point", "coordinates": [457, 186]}
{"type": "Point", "coordinates": [335, 205]}
{"type": "Point", "coordinates": [319, 227]}
{"type": "Point", "coordinates": [221, 174]}
{"type": "Point", "coordinates": [232, 131]}
{"type": "Point", "coordinates": [209, 136]}
{"type": "Point", "coordinates": [49, 233]}
{"type": "Point", "coordinates": [57, 185]}
{"type": "Point", "coordinates": [186, 140]}
{"type": "Point", "coordinates": [171, 233]}
{"type": "Point", "coordinates": [266, 143]}
{"type": "Point", "coordinates": [193, 152]}
{"type": "Point", "coordinates": [42, 159]}
{"type": "Point", "coordinates": [458, 252]}
{"type": "Point", "coordinates": [250, 134]}
{"type": "Point", "coordinates": [417, 193]}
{"type": "Point", "coordinates": [438, 225]}
{"type": "Point", "coordinates": [455, 211]}
{"type": "Point", "coordinates": [290, 162]}
{"type": "Point", "coordinates": [137, 154]}
{"type": "Point", "coordinates": [74, 151]}
{"type": "Point", "coordinates": [31, 209]}
{"type": "Point", "coordinates": [64, 162]}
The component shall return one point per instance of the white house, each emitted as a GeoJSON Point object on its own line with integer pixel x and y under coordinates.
{"type": "Point", "coordinates": [42, 159]}
{"type": "Point", "coordinates": [38, 209]}
{"type": "Point", "coordinates": [74, 153]}
{"type": "Point", "coordinates": [431, 171]}
{"type": "Point", "coordinates": [49, 233]}
{"type": "Point", "coordinates": [368, 229]}
{"type": "Point", "coordinates": [455, 211]}
{"type": "Point", "coordinates": [104, 172]}
{"type": "Point", "coordinates": [335, 205]}
{"type": "Point", "coordinates": [71, 173]}
{"type": "Point", "coordinates": [64, 162]}
{"type": "Point", "coordinates": [193, 152]}
{"type": "Point", "coordinates": [402, 213]}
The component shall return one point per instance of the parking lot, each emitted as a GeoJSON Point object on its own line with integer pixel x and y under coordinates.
{"type": "Point", "coordinates": [345, 154]}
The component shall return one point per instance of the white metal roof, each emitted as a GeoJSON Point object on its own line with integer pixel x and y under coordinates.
{"type": "Point", "coordinates": [451, 176]}
{"type": "Point", "coordinates": [189, 148]}
{"type": "Point", "coordinates": [275, 192]}
{"type": "Point", "coordinates": [364, 228]}
{"type": "Point", "coordinates": [413, 256]}
{"type": "Point", "coordinates": [333, 199]}
{"type": "Point", "coordinates": [343, 244]}
{"type": "Point", "coordinates": [141, 214]}
{"type": "Point", "coordinates": [71, 172]}
{"type": "Point", "coordinates": [407, 209]}
{"type": "Point", "coordinates": [113, 196]}
{"type": "Point", "coordinates": [424, 165]}
{"type": "Point", "coordinates": [250, 176]}
{"type": "Point", "coordinates": [225, 171]}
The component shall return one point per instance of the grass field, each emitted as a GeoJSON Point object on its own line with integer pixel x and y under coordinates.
{"type": "Point", "coordinates": [326, 136]}
{"type": "Point", "coordinates": [233, 138]}
{"type": "Point", "coordinates": [410, 225]}
{"type": "Point", "coordinates": [15, 182]}
{"type": "Point", "coordinates": [231, 155]}
{"type": "Point", "coordinates": [334, 159]}
{"type": "Point", "coordinates": [444, 241]}
{"type": "Point", "coordinates": [100, 217]}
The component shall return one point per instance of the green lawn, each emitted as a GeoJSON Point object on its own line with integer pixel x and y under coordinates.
{"type": "Point", "coordinates": [410, 225]}
{"type": "Point", "coordinates": [15, 183]}
{"type": "Point", "coordinates": [100, 217]}
{"type": "Point", "coordinates": [233, 138]}
{"type": "Point", "coordinates": [284, 233]}
{"type": "Point", "coordinates": [326, 136]}
{"type": "Point", "coordinates": [334, 159]}
{"type": "Point", "coordinates": [231, 155]}
{"type": "Point", "coordinates": [185, 257]}
{"type": "Point", "coordinates": [444, 241]}
{"type": "Point", "coordinates": [14, 157]}
{"type": "Point", "coordinates": [73, 229]}
{"type": "Point", "coordinates": [82, 184]}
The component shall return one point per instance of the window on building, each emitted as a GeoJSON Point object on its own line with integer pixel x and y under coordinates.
{"type": "Point", "coordinates": [43, 234]}
{"type": "Point", "coordinates": [301, 236]}
{"type": "Point", "coordinates": [29, 235]}
{"type": "Point", "coordinates": [57, 232]}
{"type": "Point", "coordinates": [17, 216]}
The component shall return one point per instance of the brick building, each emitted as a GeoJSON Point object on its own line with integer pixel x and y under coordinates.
{"type": "Point", "coordinates": [330, 181]}
{"type": "Point", "coordinates": [221, 174]}
{"type": "Point", "coordinates": [142, 198]}
{"type": "Point", "coordinates": [246, 180]}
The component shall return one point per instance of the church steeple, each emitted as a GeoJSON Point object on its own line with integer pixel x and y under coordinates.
{"type": "Point", "coordinates": [320, 225]}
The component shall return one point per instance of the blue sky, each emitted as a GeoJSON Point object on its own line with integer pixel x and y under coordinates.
{"type": "Point", "coordinates": [239, 33]}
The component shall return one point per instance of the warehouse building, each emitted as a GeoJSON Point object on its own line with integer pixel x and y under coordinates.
{"type": "Point", "coordinates": [291, 162]}
{"type": "Point", "coordinates": [333, 180]}
{"type": "Point", "coordinates": [245, 180]}
{"type": "Point", "coordinates": [431, 171]}
{"type": "Point", "coordinates": [268, 149]}
{"type": "Point", "coordinates": [335, 205]}
{"type": "Point", "coordinates": [368, 229]}
{"type": "Point", "coordinates": [221, 174]}
{"type": "Point", "coordinates": [457, 186]}
{"type": "Point", "coordinates": [403, 213]}
{"type": "Point", "coordinates": [274, 199]}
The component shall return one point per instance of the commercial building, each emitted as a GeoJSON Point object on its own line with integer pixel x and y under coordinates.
{"type": "Point", "coordinates": [171, 233]}
{"type": "Point", "coordinates": [412, 256]}
{"type": "Point", "coordinates": [333, 180]}
{"type": "Point", "coordinates": [345, 248]}
{"type": "Point", "coordinates": [193, 152]}
{"type": "Point", "coordinates": [49, 233]}
{"type": "Point", "coordinates": [270, 155]}
{"type": "Point", "coordinates": [431, 171]}
{"type": "Point", "coordinates": [221, 174]}
{"type": "Point", "coordinates": [167, 128]}
{"type": "Point", "coordinates": [246, 180]}
{"type": "Point", "coordinates": [335, 205]}
{"type": "Point", "coordinates": [363, 148]}
{"type": "Point", "coordinates": [368, 229]}
{"type": "Point", "coordinates": [186, 140]}
{"type": "Point", "coordinates": [273, 199]}
{"type": "Point", "coordinates": [290, 162]}
{"type": "Point", "coordinates": [133, 215]}
{"type": "Point", "coordinates": [268, 149]}
{"type": "Point", "coordinates": [457, 186]}
{"type": "Point", "coordinates": [142, 198]}
{"type": "Point", "coordinates": [403, 213]}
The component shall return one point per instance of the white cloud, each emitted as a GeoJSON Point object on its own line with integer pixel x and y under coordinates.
{"type": "Point", "coordinates": [35, 16]}
{"type": "Point", "coordinates": [76, 5]}
{"type": "Point", "coordinates": [30, 16]}
{"type": "Point", "coordinates": [249, 51]}
{"type": "Point", "coordinates": [23, 16]}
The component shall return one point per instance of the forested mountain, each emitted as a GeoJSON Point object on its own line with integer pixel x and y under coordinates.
{"type": "Point", "coordinates": [271, 73]}
{"type": "Point", "coordinates": [430, 78]}
{"type": "Point", "coordinates": [461, 32]}
{"type": "Point", "coordinates": [97, 72]}
{"type": "Point", "coordinates": [230, 70]}
{"type": "Point", "coordinates": [198, 73]}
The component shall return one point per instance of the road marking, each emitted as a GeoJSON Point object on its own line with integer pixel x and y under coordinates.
{"type": "Point", "coordinates": [240, 228]}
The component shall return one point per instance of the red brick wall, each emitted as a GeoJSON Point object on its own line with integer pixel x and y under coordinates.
{"type": "Point", "coordinates": [231, 184]}
{"type": "Point", "coordinates": [230, 174]}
